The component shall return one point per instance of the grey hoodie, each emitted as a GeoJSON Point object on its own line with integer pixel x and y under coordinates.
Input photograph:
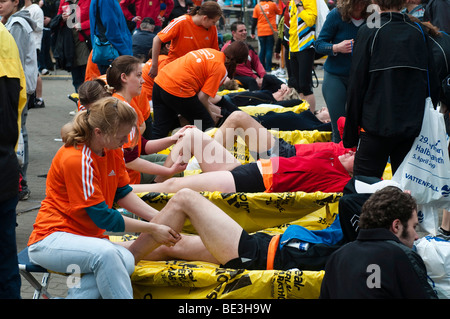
{"type": "Point", "coordinates": [20, 25]}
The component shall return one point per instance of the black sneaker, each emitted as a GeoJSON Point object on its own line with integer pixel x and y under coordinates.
{"type": "Point", "coordinates": [24, 194]}
{"type": "Point", "coordinates": [39, 103]}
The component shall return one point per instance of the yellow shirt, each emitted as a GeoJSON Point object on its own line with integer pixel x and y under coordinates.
{"type": "Point", "coordinates": [302, 25]}
{"type": "Point", "coordinates": [11, 67]}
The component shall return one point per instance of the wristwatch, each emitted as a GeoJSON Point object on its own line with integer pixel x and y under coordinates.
{"type": "Point", "coordinates": [300, 4]}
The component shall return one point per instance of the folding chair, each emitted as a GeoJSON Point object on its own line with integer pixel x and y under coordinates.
{"type": "Point", "coordinates": [26, 267]}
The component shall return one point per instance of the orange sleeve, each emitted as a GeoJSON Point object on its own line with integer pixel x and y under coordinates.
{"type": "Point", "coordinates": [267, 173]}
{"type": "Point", "coordinates": [217, 74]}
{"type": "Point", "coordinates": [92, 71]}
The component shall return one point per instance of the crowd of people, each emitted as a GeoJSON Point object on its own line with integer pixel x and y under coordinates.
{"type": "Point", "coordinates": [161, 92]}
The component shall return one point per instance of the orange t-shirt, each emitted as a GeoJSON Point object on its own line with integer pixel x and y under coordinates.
{"type": "Point", "coordinates": [78, 178]}
{"type": "Point", "coordinates": [186, 36]}
{"type": "Point", "coordinates": [201, 70]}
{"type": "Point", "coordinates": [135, 176]}
{"type": "Point", "coordinates": [271, 10]}
{"type": "Point", "coordinates": [147, 87]}
{"type": "Point", "coordinates": [92, 71]}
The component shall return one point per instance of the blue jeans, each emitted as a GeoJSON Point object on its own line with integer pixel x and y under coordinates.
{"type": "Point", "coordinates": [106, 266]}
{"type": "Point", "coordinates": [334, 90]}
{"type": "Point", "coordinates": [265, 51]}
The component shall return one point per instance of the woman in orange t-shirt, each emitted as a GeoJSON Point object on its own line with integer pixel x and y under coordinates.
{"type": "Point", "coordinates": [124, 77]}
{"type": "Point", "coordinates": [145, 98]}
{"type": "Point", "coordinates": [86, 177]}
{"type": "Point", "coordinates": [264, 29]}
{"type": "Point", "coordinates": [187, 85]}
{"type": "Point", "coordinates": [188, 32]}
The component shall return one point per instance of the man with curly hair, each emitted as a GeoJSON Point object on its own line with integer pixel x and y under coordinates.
{"type": "Point", "coordinates": [380, 263]}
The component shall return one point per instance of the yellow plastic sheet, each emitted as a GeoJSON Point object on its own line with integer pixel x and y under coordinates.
{"type": "Point", "coordinates": [177, 279]}
{"type": "Point", "coordinates": [258, 211]}
{"type": "Point", "coordinates": [201, 280]}
{"type": "Point", "coordinates": [261, 110]}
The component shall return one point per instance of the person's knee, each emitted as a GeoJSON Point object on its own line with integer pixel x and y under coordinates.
{"type": "Point", "coordinates": [184, 196]}
{"type": "Point", "coordinates": [237, 119]}
{"type": "Point", "coordinates": [185, 199]}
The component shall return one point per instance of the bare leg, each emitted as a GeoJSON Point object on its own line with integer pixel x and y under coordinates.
{"type": "Point", "coordinates": [311, 99]}
{"type": "Point", "coordinates": [220, 181]}
{"type": "Point", "coordinates": [256, 136]}
{"type": "Point", "coordinates": [210, 154]}
{"type": "Point", "coordinates": [39, 87]}
{"type": "Point", "coordinates": [219, 233]}
{"type": "Point", "coordinates": [190, 247]}
{"type": "Point", "coordinates": [445, 224]}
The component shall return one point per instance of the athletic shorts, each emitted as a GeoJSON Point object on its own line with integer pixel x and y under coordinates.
{"type": "Point", "coordinates": [248, 178]}
{"type": "Point", "coordinates": [283, 149]}
{"type": "Point", "coordinates": [252, 252]}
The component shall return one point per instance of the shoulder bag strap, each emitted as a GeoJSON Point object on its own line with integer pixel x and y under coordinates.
{"type": "Point", "coordinates": [267, 19]}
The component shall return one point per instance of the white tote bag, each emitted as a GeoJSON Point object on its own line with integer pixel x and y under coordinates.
{"type": "Point", "coordinates": [425, 171]}
{"type": "Point", "coordinates": [435, 253]}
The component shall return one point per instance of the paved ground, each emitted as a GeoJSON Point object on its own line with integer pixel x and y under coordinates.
{"type": "Point", "coordinates": [44, 129]}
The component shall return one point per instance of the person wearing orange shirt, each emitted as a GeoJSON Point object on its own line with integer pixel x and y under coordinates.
{"type": "Point", "coordinates": [188, 32]}
{"type": "Point", "coordinates": [186, 86]}
{"type": "Point", "coordinates": [92, 72]}
{"type": "Point", "coordinates": [86, 177]}
{"type": "Point", "coordinates": [145, 98]}
{"type": "Point", "coordinates": [124, 78]}
{"type": "Point", "coordinates": [266, 10]}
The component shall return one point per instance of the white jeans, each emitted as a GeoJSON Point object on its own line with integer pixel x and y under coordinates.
{"type": "Point", "coordinates": [105, 267]}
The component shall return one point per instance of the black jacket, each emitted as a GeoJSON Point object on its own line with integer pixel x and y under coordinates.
{"type": "Point", "coordinates": [64, 50]}
{"type": "Point", "coordinates": [388, 80]}
{"type": "Point", "coordinates": [353, 271]}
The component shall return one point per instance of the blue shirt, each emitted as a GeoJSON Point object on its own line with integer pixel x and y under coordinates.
{"type": "Point", "coordinates": [113, 20]}
{"type": "Point", "coordinates": [334, 31]}
{"type": "Point", "coordinates": [331, 235]}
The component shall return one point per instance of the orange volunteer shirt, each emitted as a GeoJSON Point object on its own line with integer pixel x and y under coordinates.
{"type": "Point", "coordinates": [135, 176]}
{"type": "Point", "coordinates": [147, 87]}
{"type": "Point", "coordinates": [186, 36]}
{"type": "Point", "coordinates": [78, 178]}
{"type": "Point", "coordinates": [201, 70]}
{"type": "Point", "coordinates": [271, 9]}
{"type": "Point", "coordinates": [92, 71]}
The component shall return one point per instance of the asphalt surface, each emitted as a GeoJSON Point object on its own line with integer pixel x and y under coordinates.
{"type": "Point", "coordinates": [44, 126]}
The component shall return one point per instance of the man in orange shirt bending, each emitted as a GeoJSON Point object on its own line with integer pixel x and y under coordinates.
{"type": "Point", "coordinates": [186, 85]}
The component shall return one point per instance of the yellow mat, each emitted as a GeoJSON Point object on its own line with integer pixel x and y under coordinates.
{"type": "Point", "coordinates": [258, 211]}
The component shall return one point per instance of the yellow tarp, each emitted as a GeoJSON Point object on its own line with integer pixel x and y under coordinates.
{"type": "Point", "coordinates": [258, 211]}
{"type": "Point", "coordinates": [201, 280]}
{"type": "Point", "coordinates": [261, 110]}
{"type": "Point", "coordinates": [177, 279]}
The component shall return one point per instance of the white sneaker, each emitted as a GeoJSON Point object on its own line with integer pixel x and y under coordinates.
{"type": "Point", "coordinates": [279, 73]}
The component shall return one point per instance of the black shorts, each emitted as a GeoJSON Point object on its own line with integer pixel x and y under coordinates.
{"type": "Point", "coordinates": [248, 178]}
{"type": "Point", "coordinates": [252, 252]}
{"type": "Point", "coordinates": [283, 149]}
